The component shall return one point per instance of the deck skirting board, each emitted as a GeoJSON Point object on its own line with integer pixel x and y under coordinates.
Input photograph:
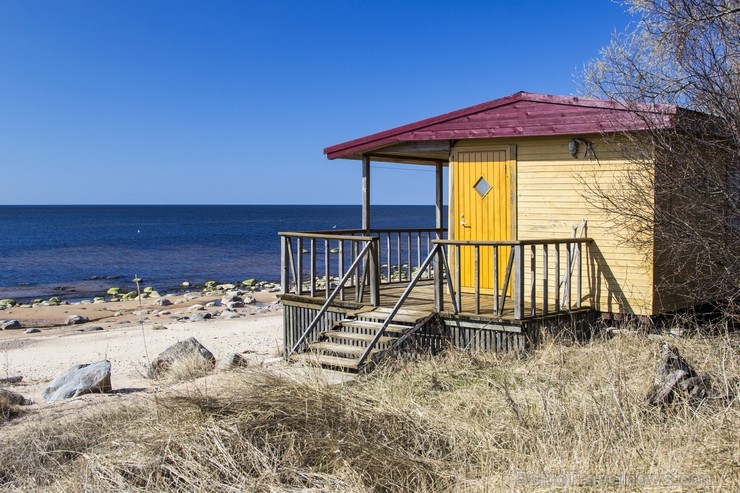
{"type": "Point", "coordinates": [462, 331]}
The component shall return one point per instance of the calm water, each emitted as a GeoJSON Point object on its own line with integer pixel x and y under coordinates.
{"type": "Point", "coordinates": [80, 251]}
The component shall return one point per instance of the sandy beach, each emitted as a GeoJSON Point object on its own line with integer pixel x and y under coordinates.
{"type": "Point", "coordinates": [124, 332]}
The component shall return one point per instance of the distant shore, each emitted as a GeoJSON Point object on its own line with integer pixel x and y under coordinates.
{"type": "Point", "coordinates": [98, 287]}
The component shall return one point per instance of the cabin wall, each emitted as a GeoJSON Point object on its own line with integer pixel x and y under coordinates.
{"type": "Point", "coordinates": [552, 197]}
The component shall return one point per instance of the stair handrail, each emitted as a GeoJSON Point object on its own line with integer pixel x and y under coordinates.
{"type": "Point", "coordinates": [438, 249]}
{"type": "Point", "coordinates": [368, 248]}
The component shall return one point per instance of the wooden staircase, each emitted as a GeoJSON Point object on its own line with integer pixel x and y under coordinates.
{"type": "Point", "coordinates": [343, 345]}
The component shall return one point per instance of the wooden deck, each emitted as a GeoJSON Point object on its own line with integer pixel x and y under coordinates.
{"type": "Point", "coordinates": [399, 271]}
{"type": "Point", "coordinates": [422, 299]}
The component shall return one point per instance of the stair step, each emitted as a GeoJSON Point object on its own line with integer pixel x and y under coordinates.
{"type": "Point", "coordinates": [375, 326]}
{"type": "Point", "coordinates": [338, 334]}
{"type": "Point", "coordinates": [325, 360]}
{"type": "Point", "coordinates": [339, 349]}
{"type": "Point", "coordinates": [402, 316]}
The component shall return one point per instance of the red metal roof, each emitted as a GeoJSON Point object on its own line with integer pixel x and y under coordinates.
{"type": "Point", "coordinates": [520, 115]}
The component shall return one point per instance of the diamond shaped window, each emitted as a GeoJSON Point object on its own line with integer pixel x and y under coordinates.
{"type": "Point", "coordinates": [482, 187]}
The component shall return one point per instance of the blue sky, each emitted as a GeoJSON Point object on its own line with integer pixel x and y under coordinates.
{"type": "Point", "coordinates": [232, 102]}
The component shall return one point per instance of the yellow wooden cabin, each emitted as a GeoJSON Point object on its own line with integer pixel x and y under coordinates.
{"type": "Point", "coordinates": [524, 244]}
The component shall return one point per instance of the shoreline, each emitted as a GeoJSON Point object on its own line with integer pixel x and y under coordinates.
{"type": "Point", "coordinates": [90, 289]}
{"type": "Point", "coordinates": [130, 334]}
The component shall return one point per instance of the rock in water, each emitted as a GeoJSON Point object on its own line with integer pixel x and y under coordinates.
{"type": "Point", "coordinates": [79, 380]}
{"type": "Point", "coordinates": [188, 348]}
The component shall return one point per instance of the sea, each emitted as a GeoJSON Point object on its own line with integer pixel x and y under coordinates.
{"type": "Point", "coordinates": [79, 252]}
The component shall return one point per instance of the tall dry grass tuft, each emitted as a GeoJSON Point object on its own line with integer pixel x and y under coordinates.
{"type": "Point", "coordinates": [186, 368]}
{"type": "Point", "coordinates": [567, 417]}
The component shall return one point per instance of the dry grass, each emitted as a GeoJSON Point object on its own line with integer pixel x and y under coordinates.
{"type": "Point", "coordinates": [566, 418]}
{"type": "Point", "coordinates": [186, 368]}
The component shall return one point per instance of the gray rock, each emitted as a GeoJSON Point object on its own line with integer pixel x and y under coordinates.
{"type": "Point", "coordinates": [200, 316]}
{"type": "Point", "coordinates": [79, 380]}
{"type": "Point", "coordinates": [196, 308]}
{"type": "Point", "coordinates": [163, 302]}
{"type": "Point", "coordinates": [76, 319]}
{"type": "Point", "coordinates": [228, 314]}
{"type": "Point", "coordinates": [249, 300]}
{"type": "Point", "coordinates": [231, 297]}
{"type": "Point", "coordinates": [32, 330]}
{"type": "Point", "coordinates": [234, 304]}
{"type": "Point", "coordinates": [10, 324]}
{"type": "Point", "coordinates": [233, 360]}
{"type": "Point", "coordinates": [92, 328]}
{"type": "Point", "coordinates": [14, 399]}
{"type": "Point", "coordinates": [188, 348]}
{"type": "Point", "coordinates": [159, 327]}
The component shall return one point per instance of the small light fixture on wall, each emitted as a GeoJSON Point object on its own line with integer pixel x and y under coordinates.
{"type": "Point", "coordinates": [574, 144]}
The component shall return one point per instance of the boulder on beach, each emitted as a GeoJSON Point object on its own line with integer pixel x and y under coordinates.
{"type": "Point", "coordinates": [10, 324]}
{"type": "Point", "coordinates": [76, 319]}
{"type": "Point", "coordinates": [188, 349]}
{"type": "Point", "coordinates": [79, 380]}
{"type": "Point", "coordinates": [200, 316]}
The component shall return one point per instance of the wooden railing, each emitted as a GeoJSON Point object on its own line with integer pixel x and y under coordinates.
{"type": "Point", "coordinates": [313, 262]}
{"type": "Point", "coordinates": [521, 266]}
{"type": "Point", "coordinates": [552, 284]}
{"type": "Point", "coordinates": [367, 255]}
{"type": "Point", "coordinates": [533, 277]}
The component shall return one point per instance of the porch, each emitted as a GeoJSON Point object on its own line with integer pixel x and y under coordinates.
{"type": "Point", "coordinates": [353, 296]}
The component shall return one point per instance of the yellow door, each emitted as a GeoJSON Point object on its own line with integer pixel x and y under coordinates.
{"type": "Point", "coordinates": [483, 210]}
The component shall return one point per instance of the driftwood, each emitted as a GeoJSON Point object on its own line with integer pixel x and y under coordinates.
{"type": "Point", "coordinates": [674, 376]}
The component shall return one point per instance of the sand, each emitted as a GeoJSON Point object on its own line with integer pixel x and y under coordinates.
{"type": "Point", "coordinates": [128, 338]}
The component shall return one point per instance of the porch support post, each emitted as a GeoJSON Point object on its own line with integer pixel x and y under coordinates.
{"type": "Point", "coordinates": [439, 298]}
{"type": "Point", "coordinates": [366, 193]}
{"type": "Point", "coordinates": [440, 196]}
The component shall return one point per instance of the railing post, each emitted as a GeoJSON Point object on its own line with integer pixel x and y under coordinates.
{"type": "Point", "coordinates": [327, 267]}
{"type": "Point", "coordinates": [545, 281]}
{"type": "Point", "coordinates": [439, 297]}
{"type": "Point", "coordinates": [299, 268]}
{"type": "Point", "coordinates": [477, 279]}
{"type": "Point", "coordinates": [579, 281]}
{"type": "Point", "coordinates": [458, 287]}
{"type": "Point", "coordinates": [374, 266]}
{"type": "Point", "coordinates": [533, 279]}
{"type": "Point", "coordinates": [557, 277]}
{"type": "Point", "coordinates": [284, 273]}
{"type": "Point", "coordinates": [566, 284]}
{"type": "Point", "coordinates": [518, 282]}
{"type": "Point", "coordinates": [495, 279]}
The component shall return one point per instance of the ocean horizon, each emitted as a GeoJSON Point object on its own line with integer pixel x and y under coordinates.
{"type": "Point", "coordinates": [77, 252]}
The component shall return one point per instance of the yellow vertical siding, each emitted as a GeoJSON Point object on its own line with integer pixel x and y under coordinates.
{"type": "Point", "coordinates": [551, 198]}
